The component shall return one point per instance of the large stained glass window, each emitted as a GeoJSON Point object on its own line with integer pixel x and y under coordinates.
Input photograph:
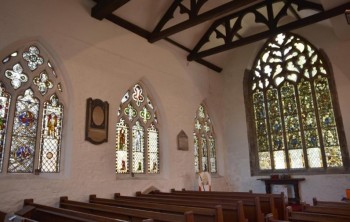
{"type": "Point", "coordinates": [204, 142]}
{"type": "Point", "coordinates": [33, 87]}
{"type": "Point", "coordinates": [5, 99]}
{"type": "Point", "coordinates": [137, 136]}
{"type": "Point", "coordinates": [293, 110]}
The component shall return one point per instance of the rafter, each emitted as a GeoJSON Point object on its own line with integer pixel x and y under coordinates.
{"type": "Point", "coordinates": [271, 24]}
{"type": "Point", "coordinates": [144, 33]}
{"type": "Point", "coordinates": [194, 18]}
{"type": "Point", "coordinates": [104, 8]}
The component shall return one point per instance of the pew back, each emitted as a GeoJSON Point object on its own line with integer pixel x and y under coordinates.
{"type": "Point", "coordinates": [124, 213]}
{"type": "Point", "coordinates": [200, 214]}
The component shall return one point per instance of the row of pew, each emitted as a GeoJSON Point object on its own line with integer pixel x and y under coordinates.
{"type": "Point", "coordinates": [184, 206]}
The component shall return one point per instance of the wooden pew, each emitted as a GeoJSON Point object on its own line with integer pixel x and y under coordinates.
{"type": "Point", "coordinates": [231, 213]}
{"type": "Point", "coordinates": [252, 208]}
{"type": "Point", "coordinates": [200, 214]}
{"type": "Point", "coordinates": [44, 213]}
{"type": "Point", "coordinates": [316, 217]}
{"type": "Point", "coordinates": [267, 201]}
{"type": "Point", "coordinates": [279, 210]}
{"type": "Point", "coordinates": [327, 210]}
{"type": "Point", "coordinates": [124, 213]}
{"type": "Point", "coordinates": [330, 203]}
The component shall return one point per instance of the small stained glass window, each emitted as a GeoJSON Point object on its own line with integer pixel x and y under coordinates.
{"type": "Point", "coordinates": [35, 122]}
{"type": "Point", "coordinates": [204, 142]}
{"type": "Point", "coordinates": [291, 96]}
{"type": "Point", "coordinates": [137, 135]}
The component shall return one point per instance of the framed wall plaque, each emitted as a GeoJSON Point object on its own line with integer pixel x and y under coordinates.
{"type": "Point", "coordinates": [182, 141]}
{"type": "Point", "coordinates": [96, 128]}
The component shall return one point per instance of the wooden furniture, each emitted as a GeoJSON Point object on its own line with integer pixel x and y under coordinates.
{"type": "Point", "coordinates": [44, 213]}
{"type": "Point", "coordinates": [294, 182]}
{"type": "Point", "coordinates": [233, 212]}
{"type": "Point", "coordinates": [345, 205]}
{"type": "Point", "coordinates": [252, 208]}
{"type": "Point", "coordinates": [270, 203]}
{"type": "Point", "coordinates": [124, 213]}
{"type": "Point", "coordinates": [200, 214]}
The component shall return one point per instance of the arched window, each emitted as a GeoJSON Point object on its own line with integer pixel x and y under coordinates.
{"type": "Point", "coordinates": [204, 142]}
{"type": "Point", "coordinates": [30, 112]}
{"type": "Point", "coordinates": [137, 135]}
{"type": "Point", "coordinates": [293, 114]}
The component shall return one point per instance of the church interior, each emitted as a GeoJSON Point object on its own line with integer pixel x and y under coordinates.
{"type": "Point", "coordinates": [118, 96]}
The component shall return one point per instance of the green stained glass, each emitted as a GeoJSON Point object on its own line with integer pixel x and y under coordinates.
{"type": "Point", "coordinates": [5, 100]}
{"type": "Point", "coordinates": [263, 144]}
{"type": "Point", "coordinates": [261, 127]}
{"type": "Point", "coordinates": [312, 139]}
{"type": "Point", "coordinates": [333, 156]}
{"type": "Point", "coordinates": [24, 134]}
{"type": "Point", "coordinates": [294, 141]}
{"type": "Point", "coordinates": [51, 133]}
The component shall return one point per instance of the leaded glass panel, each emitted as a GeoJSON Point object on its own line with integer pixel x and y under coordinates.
{"type": "Point", "coordinates": [204, 142]}
{"type": "Point", "coordinates": [292, 108]}
{"type": "Point", "coordinates": [196, 153]}
{"type": "Point", "coordinates": [24, 134]}
{"type": "Point", "coordinates": [122, 151]}
{"type": "Point", "coordinates": [51, 133]}
{"type": "Point", "coordinates": [36, 120]}
{"type": "Point", "coordinates": [5, 100]}
{"type": "Point", "coordinates": [138, 148]}
{"type": "Point", "coordinates": [137, 135]}
{"type": "Point", "coordinates": [153, 151]}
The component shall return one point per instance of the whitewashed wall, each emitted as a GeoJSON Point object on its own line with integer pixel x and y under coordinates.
{"type": "Point", "coordinates": [100, 60]}
{"type": "Point", "coordinates": [326, 187]}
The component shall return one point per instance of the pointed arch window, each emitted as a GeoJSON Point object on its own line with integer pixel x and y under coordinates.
{"type": "Point", "coordinates": [294, 119]}
{"type": "Point", "coordinates": [30, 111]}
{"type": "Point", "coordinates": [204, 142]}
{"type": "Point", "coordinates": [137, 134]}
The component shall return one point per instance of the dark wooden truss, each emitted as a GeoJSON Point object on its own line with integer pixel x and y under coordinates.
{"type": "Point", "coordinates": [223, 28]}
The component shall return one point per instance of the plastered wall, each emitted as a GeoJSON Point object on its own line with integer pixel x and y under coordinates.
{"type": "Point", "coordinates": [100, 60]}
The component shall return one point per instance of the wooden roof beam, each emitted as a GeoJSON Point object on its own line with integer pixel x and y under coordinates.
{"type": "Point", "coordinates": [218, 11]}
{"type": "Point", "coordinates": [103, 8]}
{"type": "Point", "coordinates": [194, 55]}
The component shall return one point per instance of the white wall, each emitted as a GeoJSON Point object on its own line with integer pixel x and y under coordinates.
{"type": "Point", "coordinates": [326, 187]}
{"type": "Point", "coordinates": [101, 60]}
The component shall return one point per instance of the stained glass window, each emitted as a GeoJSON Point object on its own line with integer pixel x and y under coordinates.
{"type": "Point", "coordinates": [51, 132]}
{"type": "Point", "coordinates": [5, 99]}
{"type": "Point", "coordinates": [293, 109]}
{"type": "Point", "coordinates": [137, 135]}
{"type": "Point", "coordinates": [204, 142]}
{"type": "Point", "coordinates": [33, 87]}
